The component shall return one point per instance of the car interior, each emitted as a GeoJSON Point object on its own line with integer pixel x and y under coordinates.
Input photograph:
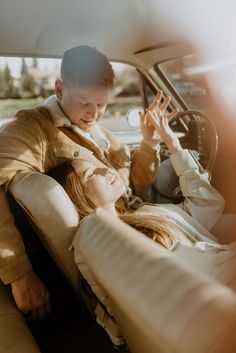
{"type": "Point", "coordinates": [158, 304]}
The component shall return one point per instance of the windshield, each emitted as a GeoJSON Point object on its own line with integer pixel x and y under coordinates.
{"type": "Point", "coordinates": [189, 84]}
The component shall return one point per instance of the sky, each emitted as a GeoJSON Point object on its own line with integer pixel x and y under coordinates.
{"type": "Point", "coordinates": [15, 64]}
{"type": "Point", "coordinates": [44, 64]}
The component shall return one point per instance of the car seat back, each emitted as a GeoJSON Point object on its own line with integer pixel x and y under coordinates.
{"type": "Point", "coordinates": [52, 213]}
{"type": "Point", "coordinates": [159, 303]}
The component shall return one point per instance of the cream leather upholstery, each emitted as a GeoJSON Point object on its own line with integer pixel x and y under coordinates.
{"type": "Point", "coordinates": [160, 305]}
{"type": "Point", "coordinates": [53, 214]}
{"type": "Point", "coordinates": [56, 221]}
{"type": "Point", "coordinates": [15, 336]}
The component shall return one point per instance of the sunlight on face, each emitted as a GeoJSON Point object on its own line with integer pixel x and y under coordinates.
{"type": "Point", "coordinates": [84, 106]}
{"type": "Point", "coordinates": [100, 182]}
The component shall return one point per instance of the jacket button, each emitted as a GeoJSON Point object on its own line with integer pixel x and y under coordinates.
{"type": "Point", "coordinates": [76, 154]}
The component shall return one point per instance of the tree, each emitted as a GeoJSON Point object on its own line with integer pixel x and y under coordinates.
{"type": "Point", "coordinates": [35, 63]}
{"type": "Point", "coordinates": [27, 82]}
{"type": "Point", "coordinates": [6, 83]}
{"type": "Point", "coordinates": [2, 84]}
{"type": "Point", "coordinates": [9, 83]}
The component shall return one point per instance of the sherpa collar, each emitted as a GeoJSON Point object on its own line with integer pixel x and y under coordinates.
{"type": "Point", "coordinates": [96, 135]}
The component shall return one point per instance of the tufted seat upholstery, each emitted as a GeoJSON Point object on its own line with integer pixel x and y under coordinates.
{"type": "Point", "coordinates": [160, 305]}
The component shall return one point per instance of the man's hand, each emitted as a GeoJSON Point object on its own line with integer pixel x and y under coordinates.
{"type": "Point", "coordinates": [31, 296]}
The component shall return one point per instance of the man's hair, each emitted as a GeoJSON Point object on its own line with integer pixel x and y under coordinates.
{"type": "Point", "coordinates": [86, 66]}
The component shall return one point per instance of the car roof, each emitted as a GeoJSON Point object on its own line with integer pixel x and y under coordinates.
{"type": "Point", "coordinates": [121, 29]}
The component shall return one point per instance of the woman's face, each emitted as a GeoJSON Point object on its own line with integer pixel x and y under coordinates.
{"type": "Point", "coordinates": [102, 183]}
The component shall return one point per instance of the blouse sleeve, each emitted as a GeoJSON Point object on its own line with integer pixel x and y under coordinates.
{"type": "Point", "coordinates": [202, 201]}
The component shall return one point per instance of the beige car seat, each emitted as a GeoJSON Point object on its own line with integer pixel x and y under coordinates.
{"type": "Point", "coordinates": [56, 220]}
{"type": "Point", "coordinates": [159, 305]}
{"type": "Point", "coordinates": [52, 214]}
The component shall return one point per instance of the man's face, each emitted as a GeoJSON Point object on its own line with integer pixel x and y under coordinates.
{"type": "Point", "coordinates": [84, 106]}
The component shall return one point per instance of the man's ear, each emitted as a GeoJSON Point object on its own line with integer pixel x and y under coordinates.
{"type": "Point", "coordinates": [58, 89]}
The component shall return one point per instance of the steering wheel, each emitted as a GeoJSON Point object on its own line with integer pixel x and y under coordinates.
{"type": "Point", "coordinates": [197, 132]}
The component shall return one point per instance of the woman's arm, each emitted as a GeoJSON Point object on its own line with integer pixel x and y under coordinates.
{"type": "Point", "coordinates": [202, 201]}
{"type": "Point", "coordinates": [146, 160]}
{"type": "Point", "coordinates": [158, 119]}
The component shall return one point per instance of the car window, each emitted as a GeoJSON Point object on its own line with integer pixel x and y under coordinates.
{"type": "Point", "coordinates": [186, 81]}
{"type": "Point", "coordinates": [127, 94]}
{"type": "Point", "coordinates": [26, 82]}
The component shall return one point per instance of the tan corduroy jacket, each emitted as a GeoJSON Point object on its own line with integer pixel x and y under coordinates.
{"type": "Point", "coordinates": [32, 142]}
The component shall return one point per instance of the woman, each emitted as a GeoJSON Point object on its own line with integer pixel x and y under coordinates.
{"type": "Point", "coordinates": [186, 228]}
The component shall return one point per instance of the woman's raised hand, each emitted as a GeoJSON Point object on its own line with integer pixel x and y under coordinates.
{"type": "Point", "coordinates": [150, 134]}
{"type": "Point", "coordinates": [158, 118]}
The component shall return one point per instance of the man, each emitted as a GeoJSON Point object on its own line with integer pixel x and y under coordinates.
{"type": "Point", "coordinates": [64, 127]}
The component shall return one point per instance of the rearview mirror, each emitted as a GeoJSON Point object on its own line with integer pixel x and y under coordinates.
{"type": "Point", "coordinates": [133, 118]}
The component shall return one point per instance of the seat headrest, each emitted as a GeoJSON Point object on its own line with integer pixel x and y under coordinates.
{"type": "Point", "coordinates": [52, 213]}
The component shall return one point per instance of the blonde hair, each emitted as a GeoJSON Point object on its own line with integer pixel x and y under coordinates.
{"type": "Point", "coordinates": [83, 202]}
{"type": "Point", "coordinates": [157, 228]}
